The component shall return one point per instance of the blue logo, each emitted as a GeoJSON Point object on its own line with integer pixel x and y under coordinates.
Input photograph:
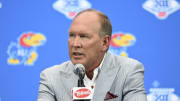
{"type": "Point", "coordinates": [24, 51]}
{"type": "Point", "coordinates": [162, 94]}
{"type": "Point", "coordinates": [71, 7]}
{"type": "Point", "coordinates": [161, 8]}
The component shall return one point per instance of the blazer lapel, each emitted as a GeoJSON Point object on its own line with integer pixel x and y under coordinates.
{"type": "Point", "coordinates": [105, 79]}
{"type": "Point", "coordinates": [69, 79]}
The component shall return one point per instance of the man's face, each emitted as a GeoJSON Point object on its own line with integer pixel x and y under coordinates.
{"type": "Point", "coordinates": [85, 45]}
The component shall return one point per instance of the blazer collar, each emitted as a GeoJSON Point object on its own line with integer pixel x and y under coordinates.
{"type": "Point", "coordinates": [69, 78]}
{"type": "Point", "coordinates": [105, 79]}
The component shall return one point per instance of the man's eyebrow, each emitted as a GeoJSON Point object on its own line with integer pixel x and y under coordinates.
{"type": "Point", "coordinates": [71, 32]}
{"type": "Point", "coordinates": [80, 33]}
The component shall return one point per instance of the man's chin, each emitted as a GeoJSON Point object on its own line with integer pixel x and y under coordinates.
{"type": "Point", "coordinates": [77, 61]}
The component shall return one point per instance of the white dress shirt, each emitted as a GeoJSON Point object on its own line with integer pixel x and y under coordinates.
{"type": "Point", "coordinates": [92, 83]}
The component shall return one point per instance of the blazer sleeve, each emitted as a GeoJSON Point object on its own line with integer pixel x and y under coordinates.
{"type": "Point", "coordinates": [46, 92]}
{"type": "Point", "coordinates": [134, 84]}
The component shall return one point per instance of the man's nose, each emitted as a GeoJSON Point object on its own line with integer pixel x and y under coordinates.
{"type": "Point", "coordinates": [77, 42]}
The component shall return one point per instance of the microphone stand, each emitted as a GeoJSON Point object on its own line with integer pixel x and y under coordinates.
{"type": "Point", "coordinates": [80, 81]}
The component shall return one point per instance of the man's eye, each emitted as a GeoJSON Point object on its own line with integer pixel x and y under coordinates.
{"type": "Point", "coordinates": [71, 35]}
{"type": "Point", "coordinates": [84, 36]}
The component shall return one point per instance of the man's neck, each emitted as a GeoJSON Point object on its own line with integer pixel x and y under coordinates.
{"type": "Point", "coordinates": [89, 74]}
{"type": "Point", "coordinates": [90, 71]}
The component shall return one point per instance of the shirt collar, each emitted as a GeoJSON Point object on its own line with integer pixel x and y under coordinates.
{"type": "Point", "coordinates": [101, 62]}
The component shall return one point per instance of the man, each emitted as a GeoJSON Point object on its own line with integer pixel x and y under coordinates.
{"type": "Point", "coordinates": [113, 78]}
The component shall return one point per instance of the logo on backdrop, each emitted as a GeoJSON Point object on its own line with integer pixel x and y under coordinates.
{"type": "Point", "coordinates": [162, 94]}
{"type": "Point", "coordinates": [71, 7]}
{"type": "Point", "coordinates": [161, 8]}
{"type": "Point", "coordinates": [120, 42]}
{"type": "Point", "coordinates": [24, 51]}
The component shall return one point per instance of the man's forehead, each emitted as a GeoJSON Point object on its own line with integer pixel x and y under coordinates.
{"type": "Point", "coordinates": [80, 29]}
{"type": "Point", "coordinates": [86, 21]}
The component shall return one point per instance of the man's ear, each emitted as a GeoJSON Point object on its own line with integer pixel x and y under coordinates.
{"type": "Point", "coordinates": [106, 42]}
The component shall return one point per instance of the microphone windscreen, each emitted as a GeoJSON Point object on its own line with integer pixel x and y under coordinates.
{"type": "Point", "coordinates": [79, 69]}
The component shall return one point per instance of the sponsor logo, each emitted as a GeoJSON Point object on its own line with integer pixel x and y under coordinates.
{"type": "Point", "coordinates": [162, 94]}
{"type": "Point", "coordinates": [82, 93]}
{"type": "Point", "coordinates": [161, 8]}
{"type": "Point", "coordinates": [24, 51]}
{"type": "Point", "coordinates": [120, 42]}
{"type": "Point", "coordinates": [71, 7]}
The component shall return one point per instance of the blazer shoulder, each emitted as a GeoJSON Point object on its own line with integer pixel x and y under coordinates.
{"type": "Point", "coordinates": [57, 68]}
{"type": "Point", "coordinates": [127, 63]}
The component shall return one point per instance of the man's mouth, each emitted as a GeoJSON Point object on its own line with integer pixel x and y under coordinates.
{"type": "Point", "coordinates": [77, 54]}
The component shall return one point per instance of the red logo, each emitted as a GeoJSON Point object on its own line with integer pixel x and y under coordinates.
{"type": "Point", "coordinates": [82, 93]}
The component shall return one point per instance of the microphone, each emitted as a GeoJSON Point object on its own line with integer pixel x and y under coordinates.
{"type": "Point", "coordinates": [81, 93]}
{"type": "Point", "coordinates": [80, 71]}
